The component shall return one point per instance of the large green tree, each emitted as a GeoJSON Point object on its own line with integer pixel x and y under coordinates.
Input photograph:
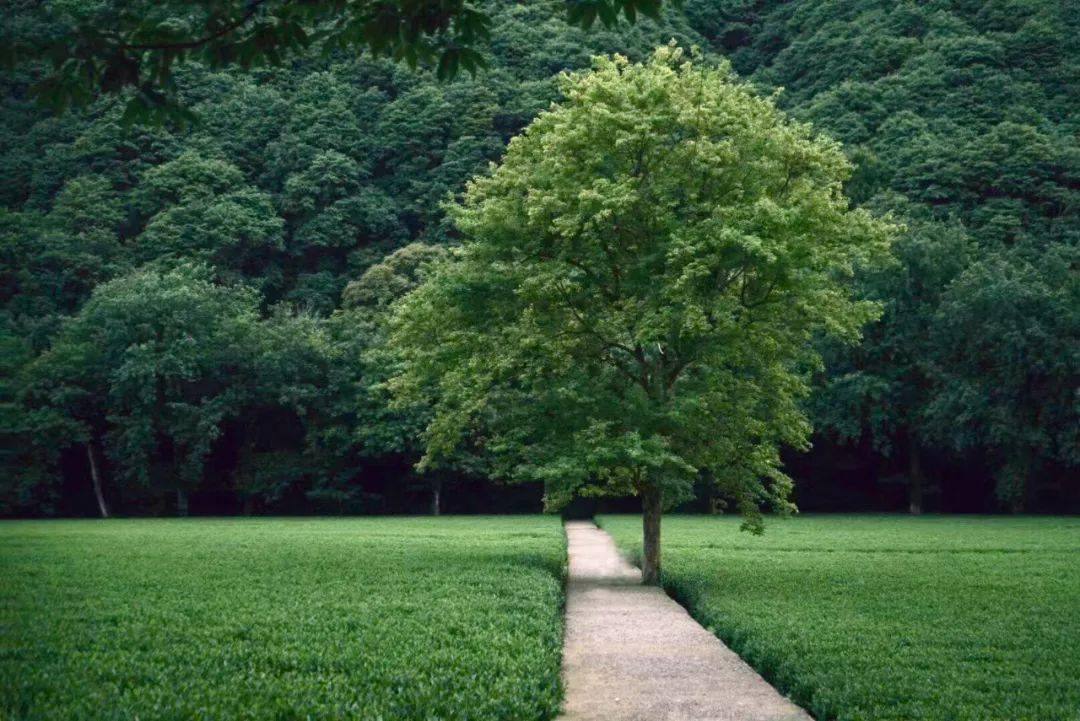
{"type": "Point", "coordinates": [634, 299]}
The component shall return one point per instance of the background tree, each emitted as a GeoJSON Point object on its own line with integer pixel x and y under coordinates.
{"type": "Point", "coordinates": [1009, 359]}
{"type": "Point", "coordinates": [148, 370]}
{"type": "Point", "coordinates": [288, 387]}
{"type": "Point", "coordinates": [361, 417]}
{"type": "Point", "coordinates": [882, 389]}
{"type": "Point", "coordinates": [200, 209]}
{"type": "Point", "coordinates": [638, 283]}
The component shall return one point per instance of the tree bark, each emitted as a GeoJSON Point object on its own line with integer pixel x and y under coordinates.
{"type": "Point", "coordinates": [436, 492]}
{"type": "Point", "coordinates": [915, 478]}
{"type": "Point", "coordinates": [95, 479]}
{"type": "Point", "coordinates": [181, 502]}
{"type": "Point", "coordinates": [652, 508]}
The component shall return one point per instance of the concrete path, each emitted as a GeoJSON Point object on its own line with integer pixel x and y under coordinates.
{"type": "Point", "coordinates": [633, 654]}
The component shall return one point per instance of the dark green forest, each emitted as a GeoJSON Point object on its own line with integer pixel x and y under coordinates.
{"type": "Point", "coordinates": [193, 317]}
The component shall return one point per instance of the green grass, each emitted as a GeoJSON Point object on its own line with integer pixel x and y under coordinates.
{"type": "Point", "coordinates": [392, 619]}
{"type": "Point", "coordinates": [890, 618]}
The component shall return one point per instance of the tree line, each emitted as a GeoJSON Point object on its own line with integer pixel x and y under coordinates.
{"type": "Point", "coordinates": [205, 309]}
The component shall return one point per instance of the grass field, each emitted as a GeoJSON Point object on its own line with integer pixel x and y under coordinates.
{"type": "Point", "coordinates": [391, 619]}
{"type": "Point", "coordinates": [886, 618]}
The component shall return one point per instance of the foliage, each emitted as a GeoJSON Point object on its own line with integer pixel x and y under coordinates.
{"type": "Point", "coordinates": [360, 423]}
{"type": "Point", "coordinates": [1006, 330]}
{"type": "Point", "coordinates": [132, 47]}
{"type": "Point", "coordinates": [957, 117]}
{"type": "Point", "coordinates": [200, 209]}
{"type": "Point", "coordinates": [282, 618]}
{"type": "Point", "coordinates": [967, 111]}
{"type": "Point", "coordinates": [159, 355]}
{"type": "Point", "coordinates": [883, 389]}
{"type": "Point", "coordinates": [294, 183]}
{"type": "Point", "coordinates": [646, 266]}
{"type": "Point", "coordinates": [874, 618]}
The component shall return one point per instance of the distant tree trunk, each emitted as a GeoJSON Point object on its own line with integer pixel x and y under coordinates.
{"type": "Point", "coordinates": [181, 502]}
{"type": "Point", "coordinates": [915, 477]}
{"type": "Point", "coordinates": [95, 478]}
{"type": "Point", "coordinates": [652, 508]}
{"type": "Point", "coordinates": [1015, 485]}
{"type": "Point", "coordinates": [1031, 486]}
{"type": "Point", "coordinates": [242, 472]}
{"type": "Point", "coordinates": [436, 492]}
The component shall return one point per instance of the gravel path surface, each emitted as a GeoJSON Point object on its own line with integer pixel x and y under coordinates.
{"type": "Point", "coordinates": [633, 654]}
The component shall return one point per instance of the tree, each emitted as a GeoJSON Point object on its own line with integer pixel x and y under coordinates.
{"type": "Point", "coordinates": [881, 389]}
{"type": "Point", "coordinates": [288, 387]}
{"type": "Point", "coordinates": [1008, 339]}
{"type": "Point", "coordinates": [148, 370]}
{"type": "Point", "coordinates": [360, 422]}
{"type": "Point", "coordinates": [202, 210]}
{"type": "Point", "coordinates": [112, 47]}
{"type": "Point", "coordinates": [633, 302]}
{"type": "Point", "coordinates": [28, 447]}
{"type": "Point", "coordinates": [49, 263]}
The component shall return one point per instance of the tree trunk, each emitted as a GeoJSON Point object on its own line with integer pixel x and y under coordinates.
{"type": "Point", "coordinates": [915, 478]}
{"type": "Point", "coordinates": [95, 479]}
{"type": "Point", "coordinates": [1031, 483]}
{"type": "Point", "coordinates": [1024, 500]}
{"type": "Point", "coordinates": [181, 502]}
{"type": "Point", "coordinates": [652, 507]}
{"type": "Point", "coordinates": [436, 492]}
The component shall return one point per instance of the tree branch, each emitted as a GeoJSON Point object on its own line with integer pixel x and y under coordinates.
{"type": "Point", "coordinates": [253, 7]}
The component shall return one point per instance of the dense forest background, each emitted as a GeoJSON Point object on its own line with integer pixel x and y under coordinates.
{"type": "Point", "coordinates": [193, 319]}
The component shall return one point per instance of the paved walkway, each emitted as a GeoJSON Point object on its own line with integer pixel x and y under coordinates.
{"type": "Point", "coordinates": [633, 654]}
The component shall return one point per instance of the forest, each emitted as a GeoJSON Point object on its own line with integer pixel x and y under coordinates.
{"type": "Point", "coordinates": [194, 316]}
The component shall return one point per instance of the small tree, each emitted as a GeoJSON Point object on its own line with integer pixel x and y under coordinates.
{"type": "Point", "coordinates": [633, 304]}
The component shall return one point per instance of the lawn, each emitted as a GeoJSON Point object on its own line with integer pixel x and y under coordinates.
{"type": "Point", "coordinates": [876, 618]}
{"type": "Point", "coordinates": [392, 619]}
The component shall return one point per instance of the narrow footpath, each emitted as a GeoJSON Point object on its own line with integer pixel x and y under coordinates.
{"type": "Point", "coordinates": [633, 654]}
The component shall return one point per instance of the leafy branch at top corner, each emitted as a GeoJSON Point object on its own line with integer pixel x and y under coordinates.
{"type": "Point", "coordinates": [130, 49]}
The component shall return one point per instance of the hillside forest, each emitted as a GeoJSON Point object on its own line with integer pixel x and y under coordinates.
{"type": "Point", "coordinates": [194, 316]}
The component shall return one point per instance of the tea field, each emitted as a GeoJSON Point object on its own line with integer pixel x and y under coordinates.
{"type": "Point", "coordinates": [875, 618]}
{"type": "Point", "coordinates": [379, 618]}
